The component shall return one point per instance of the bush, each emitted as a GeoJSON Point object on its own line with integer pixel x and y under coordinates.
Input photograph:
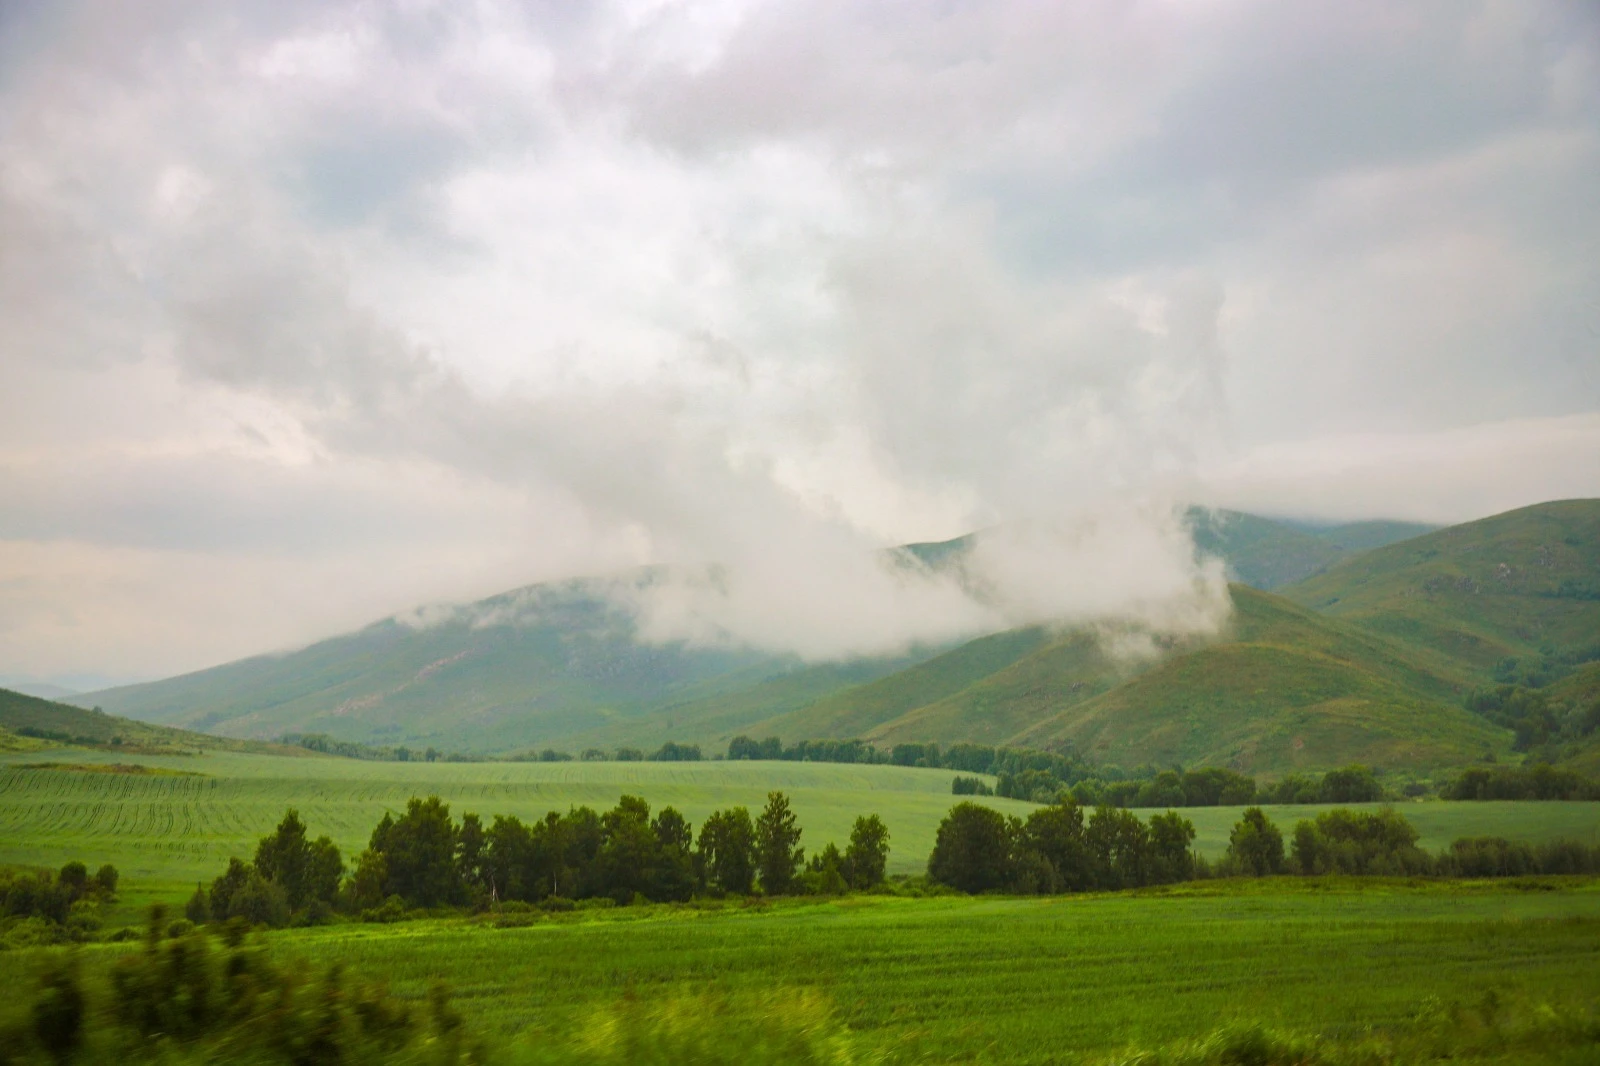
{"type": "Point", "coordinates": [1353, 842]}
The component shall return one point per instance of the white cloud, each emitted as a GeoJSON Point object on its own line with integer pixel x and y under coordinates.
{"type": "Point", "coordinates": [444, 298]}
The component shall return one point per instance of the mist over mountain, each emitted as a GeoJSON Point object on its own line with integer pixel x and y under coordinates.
{"type": "Point", "coordinates": [576, 664]}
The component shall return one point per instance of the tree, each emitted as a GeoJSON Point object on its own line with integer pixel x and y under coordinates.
{"type": "Point", "coordinates": [727, 850]}
{"type": "Point", "coordinates": [368, 883]}
{"type": "Point", "coordinates": [198, 909]}
{"type": "Point", "coordinates": [105, 880]}
{"type": "Point", "coordinates": [674, 877]}
{"type": "Point", "coordinates": [777, 852]}
{"type": "Point", "coordinates": [866, 859]}
{"type": "Point", "coordinates": [1353, 784]}
{"type": "Point", "coordinates": [324, 870]}
{"type": "Point", "coordinates": [74, 877]}
{"type": "Point", "coordinates": [629, 853]}
{"type": "Point", "coordinates": [260, 901]}
{"type": "Point", "coordinates": [1120, 845]}
{"type": "Point", "coordinates": [420, 850]}
{"type": "Point", "coordinates": [823, 876]}
{"type": "Point", "coordinates": [1256, 844]}
{"type": "Point", "coordinates": [1056, 834]}
{"type": "Point", "coordinates": [469, 851]}
{"type": "Point", "coordinates": [226, 885]}
{"type": "Point", "coordinates": [973, 849]}
{"type": "Point", "coordinates": [281, 857]}
{"type": "Point", "coordinates": [1171, 835]}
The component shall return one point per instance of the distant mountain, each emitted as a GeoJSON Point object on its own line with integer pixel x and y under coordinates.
{"type": "Point", "coordinates": [536, 665]}
{"type": "Point", "coordinates": [560, 665]}
{"type": "Point", "coordinates": [1265, 553]}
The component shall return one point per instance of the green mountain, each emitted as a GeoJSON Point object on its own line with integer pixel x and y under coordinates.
{"type": "Point", "coordinates": [1381, 629]}
{"type": "Point", "coordinates": [534, 666]}
{"type": "Point", "coordinates": [1285, 689]}
{"type": "Point", "coordinates": [1522, 585]}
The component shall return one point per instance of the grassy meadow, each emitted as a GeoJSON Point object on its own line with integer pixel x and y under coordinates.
{"type": "Point", "coordinates": [181, 819]}
{"type": "Point", "coordinates": [1000, 980]}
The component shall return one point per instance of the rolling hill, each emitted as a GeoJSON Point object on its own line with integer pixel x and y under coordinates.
{"type": "Point", "coordinates": [28, 718]}
{"type": "Point", "coordinates": [1522, 585]}
{"type": "Point", "coordinates": [1287, 689]}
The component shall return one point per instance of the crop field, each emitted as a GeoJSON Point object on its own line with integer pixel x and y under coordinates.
{"type": "Point", "coordinates": [165, 831]}
{"type": "Point", "coordinates": [168, 828]}
{"type": "Point", "coordinates": [1001, 980]}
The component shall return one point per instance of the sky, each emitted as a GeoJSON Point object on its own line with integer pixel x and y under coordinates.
{"type": "Point", "coordinates": [314, 312]}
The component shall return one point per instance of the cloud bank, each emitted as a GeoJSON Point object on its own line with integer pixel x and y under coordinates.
{"type": "Point", "coordinates": [315, 311]}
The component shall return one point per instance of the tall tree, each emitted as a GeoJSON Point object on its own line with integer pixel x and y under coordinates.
{"type": "Point", "coordinates": [419, 849]}
{"type": "Point", "coordinates": [726, 851]}
{"type": "Point", "coordinates": [469, 851]}
{"type": "Point", "coordinates": [778, 854]}
{"type": "Point", "coordinates": [866, 859]}
{"type": "Point", "coordinates": [282, 858]}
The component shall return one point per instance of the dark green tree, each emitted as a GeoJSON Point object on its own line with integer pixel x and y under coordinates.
{"type": "Point", "coordinates": [281, 857]}
{"type": "Point", "coordinates": [866, 859]}
{"type": "Point", "coordinates": [674, 876]}
{"type": "Point", "coordinates": [1171, 837]}
{"type": "Point", "coordinates": [1256, 845]}
{"type": "Point", "coordinates": [226, 885]}
{"type": "Point", "coordinates": [1056, 834]}
{"type": "Point", "coordinates": [419, 849]}
{"type": "Point", "coordinates": [777, 851]}
{"type": "Point", "coordinates": [726, 851]}
{"type": "Point", "coordinates": [973, 850]}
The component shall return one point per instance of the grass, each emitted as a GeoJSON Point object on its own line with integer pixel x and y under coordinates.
{"type": "Point", "coordinates": [1001, 981]}
{"type": "Point", "coordinates": [165, 830]}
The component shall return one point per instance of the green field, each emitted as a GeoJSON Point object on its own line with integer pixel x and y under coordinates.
{"type": "Point", "coordinates": [1007, 980]}
{"type": "Point", "coordinates": [164, 831]}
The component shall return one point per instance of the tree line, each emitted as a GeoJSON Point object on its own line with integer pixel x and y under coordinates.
{"type": "Point", "coordinates": [38, 906]}
{"type": "Point", "coordinates": [1540, 781]}
{"type": "Point", "coordinates": [424, 858]}
{"type": "Point", "coordinates": [1064, 848]}
{"type": "Point", "coordinates": [1208, 787]}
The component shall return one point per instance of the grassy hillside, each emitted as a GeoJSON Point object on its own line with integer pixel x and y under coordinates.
{"type": "Point", "coordinates": [1259, 552]}
{"type": "Point", "coordinates": [536, 666]}
{"type": "Point", "coordinates": [19, 712]}
{"type": "Point", "coordinates": [1523, 585]}
{"type": "Point", "coordinates": [1578, 698]}
{"type": "Point", "coordinates": [1287, 690]}
{"type": "Point", "coordinates": [995, 709]}
{"type": "Point", "coordinates": [860, 711]}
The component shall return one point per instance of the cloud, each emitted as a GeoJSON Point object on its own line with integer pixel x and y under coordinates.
{"type": "Point", "coordinates": [446, 298]}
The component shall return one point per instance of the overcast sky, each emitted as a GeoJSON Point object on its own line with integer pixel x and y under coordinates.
{"type": "Point", "coordinates": [310, 312]}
